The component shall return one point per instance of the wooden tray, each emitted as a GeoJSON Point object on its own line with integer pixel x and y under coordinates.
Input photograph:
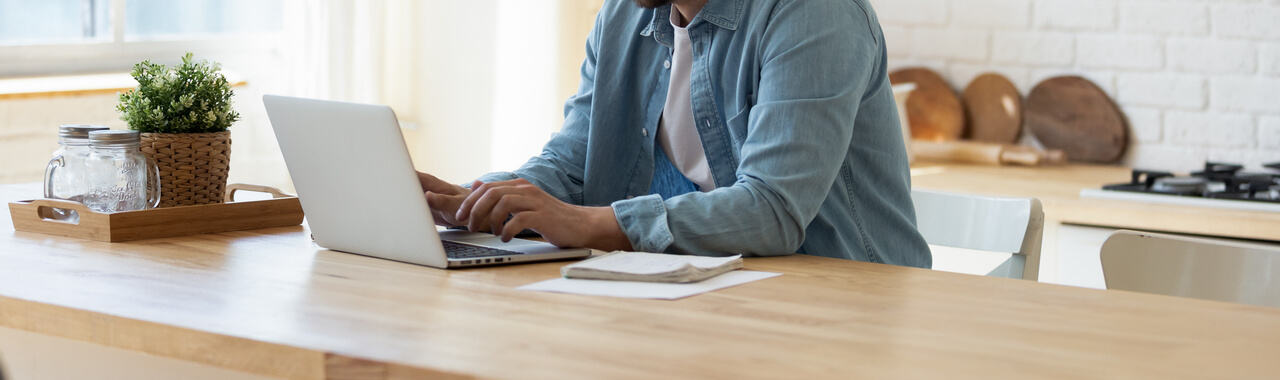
{"type": "Point", "coordinates": [280, 211]}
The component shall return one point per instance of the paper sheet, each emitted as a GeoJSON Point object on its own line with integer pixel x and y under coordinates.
{"type": "Point", "coordinates": [651, 290]}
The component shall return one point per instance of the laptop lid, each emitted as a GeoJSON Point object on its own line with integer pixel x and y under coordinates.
{"type": "Point", "coordinates": [355, 179]}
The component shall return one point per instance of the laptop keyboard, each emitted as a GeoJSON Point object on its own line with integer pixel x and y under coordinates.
{"type": "Point", "coordinates": [464, 251]}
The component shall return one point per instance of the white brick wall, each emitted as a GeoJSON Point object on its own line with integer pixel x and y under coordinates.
{"type": "Point", "coordinates": [1074, 14]}
{"type": "Point", "coordinates": [1197, 79]}
{"type": "Point", "coordinates": [1164, 17]}
{"type": "Point", "coordinates": [1210, 129]}
{"type": "Point", "coordinates": [1269, 133]}
{"type": "Point", "coordinates": [1162, 90]}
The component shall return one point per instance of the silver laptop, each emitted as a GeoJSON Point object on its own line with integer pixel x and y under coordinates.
{"type": "Point", "coordinates": [361, 194]}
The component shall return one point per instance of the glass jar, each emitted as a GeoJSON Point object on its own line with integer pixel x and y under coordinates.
{"type": "Point", "coordinates": [120, 177]}
{"type": "Point", "coordinates": [66, 175]}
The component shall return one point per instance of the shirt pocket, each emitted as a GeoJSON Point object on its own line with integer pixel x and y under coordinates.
{"type": "Point", "coordinates": [738, 122]}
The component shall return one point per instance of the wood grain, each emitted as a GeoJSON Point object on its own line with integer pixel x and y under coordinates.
{"type": "Point", "coordinates": [1072, 114]}
{"type": "Point", "coordinates": [974, 152]}
{"type": "Point", "coordinates": [993, 109]}
{"type": "Point", "coordinates": [934, 111]}
{"type": "Point", "coordinates": [161, 222]}
{"type": "Point", "coordinates": [270, 302]}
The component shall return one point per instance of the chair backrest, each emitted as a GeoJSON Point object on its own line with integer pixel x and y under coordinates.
{"type": "Point", "coordinates": [1192, 267]}
{"type": "Point", "coordinates": [985, 223]}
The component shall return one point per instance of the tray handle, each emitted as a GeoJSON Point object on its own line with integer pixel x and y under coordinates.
{"type": "Point", "coordinates": [44, 210]}
{"type": "Point", "coordinates": [233, 188]}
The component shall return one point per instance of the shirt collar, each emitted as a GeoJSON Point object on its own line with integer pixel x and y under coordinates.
{"type": "Point", "coordinates": [723, 13]}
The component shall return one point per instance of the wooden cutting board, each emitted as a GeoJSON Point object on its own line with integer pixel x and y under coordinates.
{"type": "Point", "coordinates": [1072, 114]}
{"type": "Point", "coordinates": [933, 109]}
{"type": "Point", "coordinates": [993, 107]}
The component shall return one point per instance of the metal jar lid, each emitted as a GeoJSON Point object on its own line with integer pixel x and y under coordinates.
{"type": "Point", "coordinates": [78, 131]}
{"type": "Point", "coordinates": [115, 138]}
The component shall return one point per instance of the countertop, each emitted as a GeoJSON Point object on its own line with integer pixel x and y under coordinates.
{"type": "Point", "coordinates": [1058, 188]}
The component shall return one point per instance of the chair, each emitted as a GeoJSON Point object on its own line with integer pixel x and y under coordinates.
{"type": "Point", "coordinates": [1007, 225]}
{"type": "Point", "coordinates": [1192, 267]}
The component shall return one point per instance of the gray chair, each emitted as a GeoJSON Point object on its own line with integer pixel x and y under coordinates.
{"type": "Point", "coordinates": [1007, 225]}
{"type": "Point", "coordinates": [1192, 267]}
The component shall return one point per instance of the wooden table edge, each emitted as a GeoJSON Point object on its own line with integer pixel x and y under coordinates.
{"type": "Point", "coordinates": [223, 351]}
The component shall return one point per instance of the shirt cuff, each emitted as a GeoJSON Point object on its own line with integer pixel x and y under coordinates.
{"type": "Point", "coordinates": [644, 221]}
{"type": "Point", "coordinates": [492, 177]}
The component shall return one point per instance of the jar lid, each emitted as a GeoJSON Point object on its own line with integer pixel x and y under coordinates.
{"type": "Point", "coordinates": [119, 137]}
{"type": "Point", "coordinates": [78, 131]}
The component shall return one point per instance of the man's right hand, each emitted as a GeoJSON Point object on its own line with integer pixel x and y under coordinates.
{"type": "Point", "coordinates": [444, 199]}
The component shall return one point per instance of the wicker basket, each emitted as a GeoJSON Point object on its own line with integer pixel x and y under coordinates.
{"type": "Point", "coordinates": [193, 166]}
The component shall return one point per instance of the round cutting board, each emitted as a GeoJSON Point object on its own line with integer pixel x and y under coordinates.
{"type": "Point", "coordinates": [933, 109]}
{"type": "Point", "coordinates": [1072, 114]}
{"type": "Point", "coordinates": [994, 109]}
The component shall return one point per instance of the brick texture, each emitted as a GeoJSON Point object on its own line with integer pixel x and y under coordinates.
{"type": "Point", "coordinates": [1120, 52]}
{"type": "Point", "coordinates": [1209, 129]}
{"type": "Point", "coordinates": [1269, 133]}
{"type": "Point", "coordinates": [1204, 55]}
{"type": "Point", "coordinates": [1247, 20]}
{"type": "Point", "coordinates": [1031, 48]}
{"type": "Point", "coordinates": [1164, 17]}
{"type": "Point", "coordinates": [1076, 14]}
{"type": "Point", "coordinates": [1196, 78]}
{"type": "Point", "coordinates": [1162, 90]}
{"type": "Point", "coordinates": [960, 45]}
{"type": "Point", "coordinates": [1246, 94]}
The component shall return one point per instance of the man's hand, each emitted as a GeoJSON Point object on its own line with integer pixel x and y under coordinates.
{"type": "Point", "coordinates": [444, 199]}
{"type": "Point", "coordinates": [489, 204]}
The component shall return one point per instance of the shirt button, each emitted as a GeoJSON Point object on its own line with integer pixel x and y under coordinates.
{"type": "Point", "coordinates": [666, 64]}
{"type": "Point", "coordinates": [644, 132]}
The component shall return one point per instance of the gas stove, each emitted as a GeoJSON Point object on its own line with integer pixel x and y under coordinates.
{"type": "Point", "coordinates": [1219, 185]}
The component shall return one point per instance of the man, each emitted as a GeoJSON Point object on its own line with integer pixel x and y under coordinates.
{"type": "Point", "coordinates": [714, 127]}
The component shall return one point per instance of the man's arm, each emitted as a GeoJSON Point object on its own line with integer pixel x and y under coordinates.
{"type": "Point", "coordinates": [817, 59]}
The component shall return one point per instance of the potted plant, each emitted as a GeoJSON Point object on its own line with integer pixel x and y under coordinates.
{"type": "Point", "coordinates": [183, 113]}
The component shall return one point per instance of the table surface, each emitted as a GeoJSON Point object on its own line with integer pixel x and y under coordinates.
{"type": "Point", "coordinates": [271, 302]}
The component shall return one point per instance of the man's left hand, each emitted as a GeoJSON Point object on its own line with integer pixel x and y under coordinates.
{"type": "Point", "coordinates": [562, 224]}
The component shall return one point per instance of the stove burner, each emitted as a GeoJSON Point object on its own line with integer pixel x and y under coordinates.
{"type": "Point", "coordinates": [1217, 180]}
{"type": "Point", "coordinates": [1181, 185]}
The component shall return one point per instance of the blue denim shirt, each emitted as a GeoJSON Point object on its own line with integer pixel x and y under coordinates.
{"type": "Point", "coordinates": [797, 120]}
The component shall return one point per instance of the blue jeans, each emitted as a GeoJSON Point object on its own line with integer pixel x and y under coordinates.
{"type": "Point", "coordinates": [668, 182]}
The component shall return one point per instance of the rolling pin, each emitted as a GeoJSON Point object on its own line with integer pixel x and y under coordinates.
{"type": "Point", "coordinates": [976, 152]}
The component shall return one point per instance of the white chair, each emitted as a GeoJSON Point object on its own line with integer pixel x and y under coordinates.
{"type": "Point", "coordinates": [1192, 267]}
{"type": "Point", "coordinates": [1004, 225]}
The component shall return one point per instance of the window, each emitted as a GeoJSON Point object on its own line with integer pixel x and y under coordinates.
{"type": "Point", "coordinates": [168, 19]}
{"type": "Point", "coordinates": [32, 22]}
{"type": "Point", "coordinates": [50, 37]}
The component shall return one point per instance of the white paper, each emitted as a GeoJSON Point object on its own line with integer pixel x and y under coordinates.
{"type": "Point", "coordinates": [649, 263]}
{"type": "Point", "coordinates": [651, 290]}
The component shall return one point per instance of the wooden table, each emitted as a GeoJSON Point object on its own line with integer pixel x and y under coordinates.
{"type": "Point", "coordinates": [270, 302]}
{"type": "Point", "coordinates": [1058, 188]}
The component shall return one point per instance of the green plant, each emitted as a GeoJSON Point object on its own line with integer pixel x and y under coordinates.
{"type": "Point", "coordinates": [191, 98]}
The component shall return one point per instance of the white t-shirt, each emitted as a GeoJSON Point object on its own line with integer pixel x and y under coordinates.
{"type": "Point", "coordinates": [677, 130]}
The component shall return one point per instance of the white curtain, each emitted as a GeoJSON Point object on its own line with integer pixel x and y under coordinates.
{"type": "Point", "coordinates": [476, 84]}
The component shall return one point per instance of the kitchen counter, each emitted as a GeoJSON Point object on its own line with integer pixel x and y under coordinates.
{"type": "Point", "coordinates": [1058, 188]}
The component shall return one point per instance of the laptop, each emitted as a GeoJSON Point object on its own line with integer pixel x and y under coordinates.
{"type": "Point", "coordinates": [361, 195]}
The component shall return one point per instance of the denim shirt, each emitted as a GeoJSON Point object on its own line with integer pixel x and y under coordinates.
{"type": "Point", "coordinates": [797, 120]}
